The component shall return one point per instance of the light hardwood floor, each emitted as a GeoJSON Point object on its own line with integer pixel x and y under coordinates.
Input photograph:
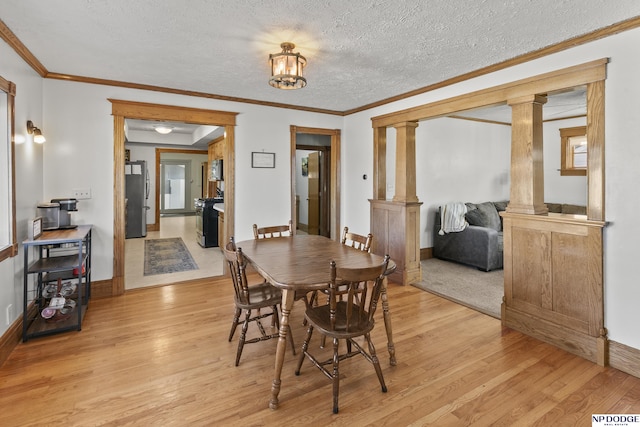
{"type": "Point", "coordinates": [209, 260]}
{"type": "Point", "coordinates": [159, 356]}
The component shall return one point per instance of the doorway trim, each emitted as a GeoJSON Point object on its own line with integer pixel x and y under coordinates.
{"type": "Point", "coordinates": [334, 190]}
{"type": "Point", "coordinates": [121, 110]}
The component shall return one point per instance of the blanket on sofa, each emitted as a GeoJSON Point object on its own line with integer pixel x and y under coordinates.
{"type": "Point", "coordinates": [452, 218]}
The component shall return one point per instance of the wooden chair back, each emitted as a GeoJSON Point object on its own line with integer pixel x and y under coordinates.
{"type": "Point", "coordinates": [237, 269]}
{"type": "Point", "coordinates": [272, 231]}
{"type": "Point", "coordinates": [356, 241]}
{"type": "Point", "coordinates": [353, 297]}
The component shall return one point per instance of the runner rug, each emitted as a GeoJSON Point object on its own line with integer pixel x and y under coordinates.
{"type": "Point", "coordinates": [162, 256]}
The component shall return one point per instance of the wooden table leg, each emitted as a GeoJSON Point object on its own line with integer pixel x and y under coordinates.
{"type": "Point", "coordinates": [287, 305]}
{"type": "Point", "coordinates": [387, 323]}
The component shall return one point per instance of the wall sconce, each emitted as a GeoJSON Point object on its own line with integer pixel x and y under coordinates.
{"type": "Point", "coordinates": [37, 134]}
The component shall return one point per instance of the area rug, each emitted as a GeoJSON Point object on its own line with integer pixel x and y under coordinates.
{"type": "Point", "coordinates": [169, 255]}
{"type": "Point", "coordinates": [479, 290]}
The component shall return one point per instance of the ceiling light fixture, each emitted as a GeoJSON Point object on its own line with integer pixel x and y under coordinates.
{"type": "Point", "coordinates": [287, 67]}
{"type": "Point", "coordinates": [38, 137]}
{"type": "Point", "coordinates": [163, 129]}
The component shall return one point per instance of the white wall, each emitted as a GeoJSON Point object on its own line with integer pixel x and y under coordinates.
{"type": "Point", "coordinates": [79, 129]}
{"type": "Point", "coordinates": [28, 173]}
{"type": "Point", "coordinates": [557, 188]}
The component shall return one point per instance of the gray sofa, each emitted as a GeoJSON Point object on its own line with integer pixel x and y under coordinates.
{"type": "Point", "coordinates": [480, 244]}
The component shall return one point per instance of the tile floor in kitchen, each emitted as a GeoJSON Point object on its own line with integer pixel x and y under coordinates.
{"type": "Point", "coordinates": [209, 260]}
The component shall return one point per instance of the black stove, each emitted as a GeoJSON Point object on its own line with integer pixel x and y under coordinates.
{"type": "Point", "coordinates": [207, 221]}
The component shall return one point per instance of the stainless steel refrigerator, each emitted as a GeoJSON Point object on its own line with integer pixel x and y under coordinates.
{"type": "Point", "coordinates": [136, 196]}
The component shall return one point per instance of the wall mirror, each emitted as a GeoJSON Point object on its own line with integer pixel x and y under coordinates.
{"type": "Point", "coordinates": [8, 246]}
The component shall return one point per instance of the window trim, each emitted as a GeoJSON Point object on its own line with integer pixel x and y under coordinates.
{"type": "Point", "coordinates": [11, 249]}
{"type": "Point", "coordinates": [566, 161]}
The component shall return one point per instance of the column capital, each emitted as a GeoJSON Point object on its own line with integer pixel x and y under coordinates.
{"type": "Point", "coordinates": [528, 99]}
{"type": "Point", "coordinates": [405, 124]}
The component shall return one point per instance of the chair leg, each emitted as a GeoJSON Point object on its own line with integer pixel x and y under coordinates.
{"type": "Point", "coordinates": [305, 346]}
{"type": "Point", "coordinates": [376, 363]}
{"type": "Point", "coordinates": [234, 325]}
{"type": "Point", "coordinates": [243, 335]}
{"type": "Point", "coordinates": [336, 375]}
{"type": "Point", "coordinates": [290, 335]}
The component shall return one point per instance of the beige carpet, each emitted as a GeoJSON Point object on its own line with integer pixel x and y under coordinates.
{"type": "Point", "coordinates": [479, 290]}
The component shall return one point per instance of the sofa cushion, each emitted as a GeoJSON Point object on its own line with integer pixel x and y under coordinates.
{"type": "Point", "coordinates": [554, 207]}
{"type": "Point", "coordinates": [501, 206]}
{"type": "Point", "coordinates": [483, 215]}
{"type": "Point", "coordinates": [475, 217]}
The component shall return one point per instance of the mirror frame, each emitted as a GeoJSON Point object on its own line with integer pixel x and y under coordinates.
{"type": "Point", "coordinates": [11, 249]}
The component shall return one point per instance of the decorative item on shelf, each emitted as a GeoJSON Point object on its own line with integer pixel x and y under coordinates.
{"type": "Point", "coordinates": [59, 308]}
{"type": "Point", "coordinates": [34, 228]}
{"type": "Point", "coordinates": [75, 270]}
{"type": "Point", "coordinates": [287, 68]}
{"type": "Point", "coordinates": [127, 155]}
{"type": "Point", "coordinates": [38, 137]}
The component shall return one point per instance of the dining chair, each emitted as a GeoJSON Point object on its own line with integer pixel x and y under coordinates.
{"type": "Point", "coordinates": [272, 231]}
{"type": "Point", "coordinates": [357, 241]}
{"type": "Point", "coordinates": [248, 298]}
{"type": "Point", "coordinates": [354, 240]}
{"type": "Point", "coordinates": [353, 297]}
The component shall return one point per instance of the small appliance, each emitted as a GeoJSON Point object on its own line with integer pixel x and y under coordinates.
{"type": "Point", "coordinates": [55, 215]}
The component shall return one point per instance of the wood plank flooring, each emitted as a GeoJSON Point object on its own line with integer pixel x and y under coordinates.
{"type": "Point", "coordinates": [160, 356]}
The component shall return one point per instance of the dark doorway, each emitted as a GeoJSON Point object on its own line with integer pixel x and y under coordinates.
{"type": "Point", "coordinates": [313, 157]}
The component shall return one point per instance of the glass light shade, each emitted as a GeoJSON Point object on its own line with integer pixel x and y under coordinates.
{"type": "Point", "coordinates": [163, 129]}
{"type": "Point", "coordinates": [287, 68]}
{"type": "Point", "coordinates": [38, 137]}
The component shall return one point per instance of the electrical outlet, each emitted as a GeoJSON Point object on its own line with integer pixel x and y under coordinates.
{"type": "Point", "coordinates": [9, 314]}
{"type": "Point", "coordinates": [82, 193]}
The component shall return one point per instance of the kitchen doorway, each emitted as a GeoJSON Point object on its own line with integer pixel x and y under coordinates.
{"type": "Point", "coordinates": [122, 110]}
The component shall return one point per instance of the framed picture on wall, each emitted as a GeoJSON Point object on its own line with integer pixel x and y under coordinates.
{"type": "Point", "coordinates": [263, 160]}
{"type": "Point", "coordinates": [305, 166]}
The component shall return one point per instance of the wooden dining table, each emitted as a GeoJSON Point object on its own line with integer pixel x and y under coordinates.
{"type": "Point", "coordinates": [302, 263]}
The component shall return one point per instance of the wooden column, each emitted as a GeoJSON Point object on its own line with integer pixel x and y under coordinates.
{"type": "Point", "coordinates": [395, 224]}
{"type": "Point", "coordinates": [527, 169]}
{"type": "Point", "coordinates": [405, 162]}
{"type": "Point", "coordinates": [380, 163]}
{"type": "Point", "coordinates": [595, 150]}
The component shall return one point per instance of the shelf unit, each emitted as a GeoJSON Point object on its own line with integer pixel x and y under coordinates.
{"type": "Point", "coordinates": [63, 254]}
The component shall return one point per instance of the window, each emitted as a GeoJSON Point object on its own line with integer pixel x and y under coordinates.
{"type": "Point", "coordinates": [573, 151]}
{"type": "Point", "coordinates": [8, 246]}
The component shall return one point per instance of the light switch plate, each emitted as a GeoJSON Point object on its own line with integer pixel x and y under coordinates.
{"type": "Point", "coordinates": [82, 193]}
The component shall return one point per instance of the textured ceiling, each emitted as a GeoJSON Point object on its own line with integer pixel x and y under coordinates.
{"type": "Point", "coordinates": [358, 51]}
